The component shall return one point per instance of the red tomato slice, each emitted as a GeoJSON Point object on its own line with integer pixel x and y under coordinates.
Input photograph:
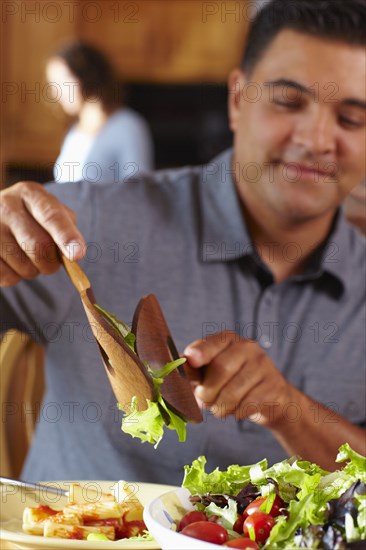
{"type": "Point", "coordinates": [207, 531]}
{"type": "Point", "coordinates": [191, 517]}
{"type": "Point", "coordinates": [256, 504]}
{"type": "Point", "coordinates": [260, 524]}
{"type": "Point", "coordinates": [238, 525]}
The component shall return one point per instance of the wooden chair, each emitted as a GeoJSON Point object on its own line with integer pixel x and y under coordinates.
{"type": "Point", "coordinates": [21, 391]}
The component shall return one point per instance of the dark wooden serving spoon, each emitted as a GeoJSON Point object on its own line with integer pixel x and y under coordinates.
{"type": "Point", "coordinates": [155, 345]}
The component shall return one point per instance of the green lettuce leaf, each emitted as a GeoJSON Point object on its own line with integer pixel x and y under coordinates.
{"type": "Point", "coordinates": [301, 514]}
{"type": "Point", "coordinates": [119, 326]}
{"type": "Point", "coordinates": [361, 517]}
{"type": "Point", "coordinates": [291, 476]}
{"type": "Point", "coordinates": [158, 375]}
{"type": "Point", "coordinates": [227, 515]}
{"type": "Point", "coordinates": [148, 425]}
{"type": "Point", "coordinates": [356, 465]}
{"type": "Point", "coordinates": [197, 481]}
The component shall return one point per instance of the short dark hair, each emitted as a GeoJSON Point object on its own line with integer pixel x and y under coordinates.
{"type": "Point", "coordinates": [339, 20]}
{"type": "Point", "coordinates": [94, 71]}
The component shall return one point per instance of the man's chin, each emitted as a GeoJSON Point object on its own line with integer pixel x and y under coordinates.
{"type": "Point", "coordinates": [302, 207]}
{"type": "Point", "coordinates": [301, 214]}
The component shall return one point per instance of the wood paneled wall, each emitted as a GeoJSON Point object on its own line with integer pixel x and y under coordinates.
{"type": "Point", "coordinates": [170, 41]}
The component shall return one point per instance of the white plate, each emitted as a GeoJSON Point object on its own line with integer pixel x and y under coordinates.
{"type": "Point", "coordinates": [14, 500]}
{"type": "Point", "coordinates": [158, 516]}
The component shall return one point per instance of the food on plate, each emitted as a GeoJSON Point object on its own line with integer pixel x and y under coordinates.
{"type": "Point", "coordinates": [90, 514]}
{"type": "Point", "coordinates": [148, 425]}
{"type": "Point", "coordinates": [292, 504]}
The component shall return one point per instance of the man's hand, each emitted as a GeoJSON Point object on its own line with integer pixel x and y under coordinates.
{"type": "Point", "coordinates": [238, 378]}
{"type": "Point", "coordinates": [33, 223]}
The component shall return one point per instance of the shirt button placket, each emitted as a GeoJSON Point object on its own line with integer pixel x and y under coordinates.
{"type": "Point", "coordinates": [267, 320]}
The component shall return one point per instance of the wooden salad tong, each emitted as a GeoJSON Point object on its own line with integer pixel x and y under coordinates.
{"type": "Point", "coordinates": [154, 345]}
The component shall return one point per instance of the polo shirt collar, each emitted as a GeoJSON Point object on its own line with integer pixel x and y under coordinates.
{"type": "Point", "coordinates": [333, 257]}
{"type": "Point", "coordinates": [225, 235]}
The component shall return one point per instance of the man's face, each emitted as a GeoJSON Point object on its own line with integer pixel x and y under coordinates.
{"type": "Point", "coordinates": [299, 126]}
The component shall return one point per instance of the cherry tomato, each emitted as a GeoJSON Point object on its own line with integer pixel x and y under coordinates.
{"type": "Point", "coordinates": [207, 531]}
{"type": "Point", "coordinates": [238, 525]}
{"type": "Point", "coordinates": [260, 523]}
{"type": "Point", "coordinates": [191, 517]}
{"type": "Point", "coordinates": [244, 543]}
{"type": "Point", "coordinates": [256, 504]}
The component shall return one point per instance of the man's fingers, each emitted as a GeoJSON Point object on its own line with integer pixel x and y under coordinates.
{"type": "Point", "coordinates": [71, 213]}
{"type": "Point", "coordinates": [224, 367]}
{"type": "Point", "coordinates": [56, 219]}
{"type": "Point", "coordinates": [8, 277]}
{"type": "Point", "coordinates": [192, 374]}
{"type": "Point", "coordinates": [34, 225]}
{"type": "Point", "coordinates": [236, 371]}
{"type": "Point", "coordinates": [202, 352]}
{"type": "Point", "coordinates": [245, 382]}
{"type": "Point", "coordinates": [26, 246]}
{"type": "Point", "coordinates": [13, 256]}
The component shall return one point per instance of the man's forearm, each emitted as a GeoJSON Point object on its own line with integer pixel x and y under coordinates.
{"type": "Point", "coordinates": [315, 433]}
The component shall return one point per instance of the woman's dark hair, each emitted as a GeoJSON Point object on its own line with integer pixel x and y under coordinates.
{"type": "Point", "coordinates": [341, 20]}
{"type": "Point", "coordinates": [94, 71]}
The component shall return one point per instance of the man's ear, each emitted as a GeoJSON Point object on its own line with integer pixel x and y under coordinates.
{"type": "Point", "coordinates": [235, 93]}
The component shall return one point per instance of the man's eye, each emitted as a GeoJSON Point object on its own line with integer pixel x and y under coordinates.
{"type": "Point", "coordinates": [349, 122]}
{"type": "Point", "coordinates": [287, 103]}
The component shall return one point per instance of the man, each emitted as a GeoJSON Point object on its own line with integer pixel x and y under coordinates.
{"type": "Point", "coordinates": [250, 253]}
{"type": "Point", "coordinates": [355, 207]}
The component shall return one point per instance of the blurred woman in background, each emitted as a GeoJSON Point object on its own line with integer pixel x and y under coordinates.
{"type": "Point", "coordinates": [109, 142]}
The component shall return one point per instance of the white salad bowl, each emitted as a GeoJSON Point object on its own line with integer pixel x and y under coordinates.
{"type": "Point", "coordinates": [161, 515]}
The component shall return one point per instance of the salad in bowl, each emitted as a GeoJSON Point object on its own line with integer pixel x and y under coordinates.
{"type": "Point", "coordinates": [292, 504]}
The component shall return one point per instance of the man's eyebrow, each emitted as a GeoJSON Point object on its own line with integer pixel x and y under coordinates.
{"type": "Point", "coordinates": [289, 84]}
{"type": "Point", "coordinates": [284, 82]}
{"type": "Point", "coordinates": [355, 103]}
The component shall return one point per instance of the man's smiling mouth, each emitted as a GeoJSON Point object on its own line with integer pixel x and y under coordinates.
{"type": "Point", "coordinates": [295, 171]}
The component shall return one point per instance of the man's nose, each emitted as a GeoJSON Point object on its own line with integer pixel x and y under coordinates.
{"type": "Point", "coordinates": [315, 132]}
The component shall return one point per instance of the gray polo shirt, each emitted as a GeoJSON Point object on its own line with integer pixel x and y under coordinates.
{"type": "Point", "coordinates": [181, 235]}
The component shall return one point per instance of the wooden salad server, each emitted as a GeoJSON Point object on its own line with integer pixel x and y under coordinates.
{"type": "Point", "coordinates": [154, 345]}
{"type": "Point", "coordinates": [126, 372]}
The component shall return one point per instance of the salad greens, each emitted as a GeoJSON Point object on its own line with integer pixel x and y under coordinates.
{"type": "Point", "coordinates": [196, 480]}
{"type": "Point", "coordinates": [321, 509]}
{"type": "Point", "coordinates": [119, 326]}
{"type": "Point", "coordinates": [148, 425]}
